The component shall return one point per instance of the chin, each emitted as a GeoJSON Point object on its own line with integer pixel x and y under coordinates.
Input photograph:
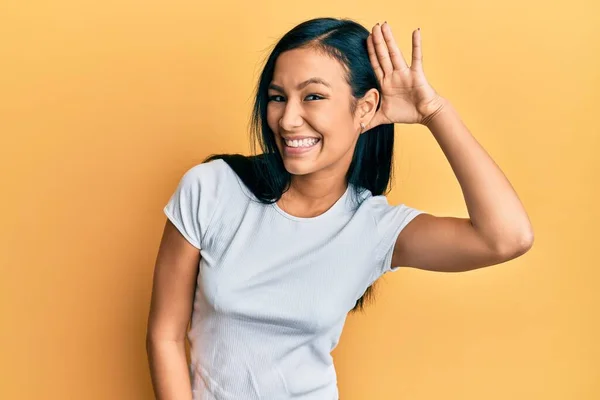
{"type": "Point", "coordinates": [298, 167]}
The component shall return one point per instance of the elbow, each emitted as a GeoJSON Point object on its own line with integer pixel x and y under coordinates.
{"type": "Point", "coordinates": [521, 244]}
{"type": "Point", "coordinates": [528, 238]}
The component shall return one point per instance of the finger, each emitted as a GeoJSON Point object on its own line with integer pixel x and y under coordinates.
{"type": "Point", "coordinates": [417, 52]}
{"type": "Point", "coordinates": [373, 58]}
{"type": "Point", "coordinates": [398, 61]}
{"type": "Point", "coordinates": [383, 56]}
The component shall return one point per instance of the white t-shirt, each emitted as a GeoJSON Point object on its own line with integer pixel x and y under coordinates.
{"type": "Point", "coordinates": [274, 290]}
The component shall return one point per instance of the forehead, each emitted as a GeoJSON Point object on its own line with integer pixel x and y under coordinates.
{"type": "Point", "coordinates": [297, 65]}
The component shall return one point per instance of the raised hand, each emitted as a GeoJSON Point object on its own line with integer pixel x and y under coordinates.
{"type": "Point", "coordinates": [406, 96]}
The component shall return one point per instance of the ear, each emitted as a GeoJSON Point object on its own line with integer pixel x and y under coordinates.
{"type": "Point", "coordinates": [367, 107]}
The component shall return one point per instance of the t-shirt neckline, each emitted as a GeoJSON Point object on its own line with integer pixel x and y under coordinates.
{"type": "Point", "coordinates": [332, 210]}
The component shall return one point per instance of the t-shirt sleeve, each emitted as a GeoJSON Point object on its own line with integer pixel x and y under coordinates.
{"type": "Point", "coordinates": [390, 220]}
{"type": "Point", "coordinates": [193, 204]}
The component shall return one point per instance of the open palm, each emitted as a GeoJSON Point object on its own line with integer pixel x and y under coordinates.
{"type": "Point", "coordinates": [406, 96]}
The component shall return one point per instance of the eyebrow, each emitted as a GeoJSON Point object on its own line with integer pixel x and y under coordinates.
{"type": "Point", "coordinates": [307, 82]}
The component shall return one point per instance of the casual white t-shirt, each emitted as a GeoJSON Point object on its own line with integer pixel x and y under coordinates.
{"type": "Point", "coordinates": [273, 289]}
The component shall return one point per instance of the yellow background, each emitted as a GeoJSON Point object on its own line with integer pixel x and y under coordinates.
{"type": "Point", "coordinates": [104, 105]}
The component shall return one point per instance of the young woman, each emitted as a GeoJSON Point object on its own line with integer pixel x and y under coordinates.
{"type": "Point", "coordinates": [268, 253]}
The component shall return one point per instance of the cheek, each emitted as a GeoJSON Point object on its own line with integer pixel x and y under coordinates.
{"type": "Point", "coordinates": [333, 126]}
{"type": "Point", "coordinates": [271, 119]}
{"type": "Point", "coordinates": [324, 122]}
{"type": "Point", "coordinates": [274, 115]}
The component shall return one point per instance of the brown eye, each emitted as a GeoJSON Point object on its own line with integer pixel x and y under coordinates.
{"type": "Point", "coordinates": [315, 95]}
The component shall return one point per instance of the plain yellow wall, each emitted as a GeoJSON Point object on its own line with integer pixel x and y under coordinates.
{"type": "Point", "coordinates": [104, 105]}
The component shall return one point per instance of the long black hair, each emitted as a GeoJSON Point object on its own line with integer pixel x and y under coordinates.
{"type": "Point", "coordinates": [371, 167]}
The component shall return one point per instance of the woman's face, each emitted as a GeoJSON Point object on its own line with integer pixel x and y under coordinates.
{"type": "Point", "coordinates": [317, 110]}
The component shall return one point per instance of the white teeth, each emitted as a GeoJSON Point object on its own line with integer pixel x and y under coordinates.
{"type": "Point", "coordinates": [301, 143]}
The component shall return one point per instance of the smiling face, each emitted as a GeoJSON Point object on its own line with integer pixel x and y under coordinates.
{"type": "Point", "coordinates": [319, 109]}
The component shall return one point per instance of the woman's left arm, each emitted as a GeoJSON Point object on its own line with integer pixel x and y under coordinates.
{"type": "Point", "coordinates": [498, 229]}
{"type": "Point", "coordinates": [493, 205]}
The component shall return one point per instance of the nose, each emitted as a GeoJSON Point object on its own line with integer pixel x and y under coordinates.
{"type": "Point", "coordinates": [292, 116]}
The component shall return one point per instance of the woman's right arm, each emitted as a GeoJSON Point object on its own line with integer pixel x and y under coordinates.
{"type": "Point", "coordinates": [174, 283]}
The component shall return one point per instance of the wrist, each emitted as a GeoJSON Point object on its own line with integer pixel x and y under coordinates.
{"type": "Point", "coordinates": [433, 109]}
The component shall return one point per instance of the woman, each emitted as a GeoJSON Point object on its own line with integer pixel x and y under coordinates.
{"type": "Point", "coordinates": [268, 253]}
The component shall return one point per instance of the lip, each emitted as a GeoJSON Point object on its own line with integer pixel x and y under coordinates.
{"type": "Point", "coordinates": [292, 151]}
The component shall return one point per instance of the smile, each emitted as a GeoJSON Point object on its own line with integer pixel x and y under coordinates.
{"type": "Point", "coordinates": [293, 147]}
